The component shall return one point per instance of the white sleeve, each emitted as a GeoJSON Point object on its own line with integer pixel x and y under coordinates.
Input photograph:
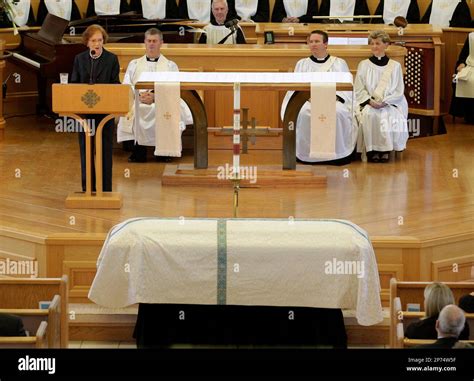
{"type": "Point", "coordinates": [172, 66]}
{"type": "Point", "coordinates": [397, 88]}
{"type": "Point", "coordinates": [361, 92]}
{"type": "Point", "coordinates": [132, 66]}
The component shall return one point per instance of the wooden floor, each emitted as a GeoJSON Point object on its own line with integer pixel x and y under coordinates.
{"type": "Point", "coordinates": [427, 194]}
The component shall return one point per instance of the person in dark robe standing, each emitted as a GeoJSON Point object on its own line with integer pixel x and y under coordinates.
{"type": "Point", "coordinates": [295, 11]}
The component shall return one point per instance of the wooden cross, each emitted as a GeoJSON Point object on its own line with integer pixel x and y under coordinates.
{"type": "Point", "coordinates": [246, 132]}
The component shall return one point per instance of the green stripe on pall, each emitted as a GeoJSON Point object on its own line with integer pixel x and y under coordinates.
{"type": "Point", "coordinates": [221, 261]}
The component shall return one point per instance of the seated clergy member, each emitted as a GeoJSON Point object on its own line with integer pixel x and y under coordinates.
{"type": "Point", "coordinates": [344, 8]}
{"type": "Point", "coordinates": [390, 9]}
{"type": "Point", "coordinates": [445, 13]}
{"type": "Point", "coordinates": [462, 103]}
{"type": "Point", "coordinates": [250, 10]}
{"type": "Point", "coordinates": [380, 93]}
{"type": "Point", "coordinates": [295, 11]}
{"type": "Point", "coordinates": [144, 133]}
{"type": "Point", "coordinates": [22, 14]}
{"type": "Point", "coordinates": [155, 9]}
{"type": "Point", "coordinates": [106, 7]}
{"type": "Point", "coordinates": [346, 124]}
{"type": "Point", "coordinates": [66, 9]}
{"type": "Point", "coordinates": [216, 31]}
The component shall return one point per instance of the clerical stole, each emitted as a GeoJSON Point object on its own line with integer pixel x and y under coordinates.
{"type": "Point", "coordinates": [394, 8]}
{"type": "Point", "coordinates": [107, 7]}
{"type": "Point", "coordinates": [154, 9]}
{"type": "Point", "coordinates": [21, 11]}
{"type": "Point", "coordinates": [323, 121]}
{"type": "Point", "coordinates": [199, 10]}
{"type": "Point", "coordinates": [246, 8]}
{"type": "Point", "coordinates": [295, 8]}
{"type": "Point", "coordinates": [342, 8]}
{"type": "Point", "coordinates": [60, 8]}
{"type": "Point", "coordinates": [379, 92]}
{"type": "Point", "coordinates": [442, 12]}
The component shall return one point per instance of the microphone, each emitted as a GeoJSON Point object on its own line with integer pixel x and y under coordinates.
{"type": "Point", "coordinates": [91, 78]}
{"type": "Point", "coordinates": [231, 23]}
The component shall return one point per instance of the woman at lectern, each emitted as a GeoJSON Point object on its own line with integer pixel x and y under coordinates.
{"type": "Point", "coordinates": [96, 65]}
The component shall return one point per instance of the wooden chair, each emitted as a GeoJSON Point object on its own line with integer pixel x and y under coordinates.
{"type": "Point", "coordinates": [40, 340]}
{"type": "Point", "coordinates": [26, 293]}
{"type": "Point", "coordinates": [32, 319]}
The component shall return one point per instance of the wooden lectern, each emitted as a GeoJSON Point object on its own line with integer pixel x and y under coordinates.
{"type": "Point", "coordinates": [77, 100]}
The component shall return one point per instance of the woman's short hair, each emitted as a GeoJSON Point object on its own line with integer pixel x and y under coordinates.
{"type": "Point", "coordinates": [384, 37]}
{"type": "Point", "coordinates": [437, 296]}
{"type": "Point", "coordinates": [91, 30]}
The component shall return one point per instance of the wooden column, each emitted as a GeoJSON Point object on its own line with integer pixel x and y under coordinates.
{"type": "Point", "coordinates": [2, 68]}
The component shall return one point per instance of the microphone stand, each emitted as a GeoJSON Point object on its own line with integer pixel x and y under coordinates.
{"type": "Point", "coordinates": [232, 31]}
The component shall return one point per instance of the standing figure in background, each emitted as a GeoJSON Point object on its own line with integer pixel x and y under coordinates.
{"type": "Point", "coordinates": [462, 102]}
{"type": "Point", "coordinates": [66, 9]}
{"type": "Point", "coordinates": [295, 11]}
{"type": "Point", "coordinates": [250, 10]}
{"type": "Point", "coordinates": [344, 8]}
{"type": "Point", "coordinates": [448, 13]}
{"type": "Point", "coordinates": [390, 9]}
{"type": "Point", "coordinates": [155, 9]}
{"type": "Point", "coordinates": [96, 65]}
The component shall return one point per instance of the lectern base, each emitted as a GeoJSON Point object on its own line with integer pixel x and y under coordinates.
{"type": "Point", "coordinates": [108, 200]}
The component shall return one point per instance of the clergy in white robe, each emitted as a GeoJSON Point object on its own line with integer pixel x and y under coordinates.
{"type": "Point", "coordinates": [448, 13]}
{"type": "Point", "coordinates": [155, 9]}
{"type": "Point", "coordinates": [199, 10]}
{"type": "Point", "coordinates": [295, 11]}
{"type": "Point", "coordinates": [383, 114]}
{"type": "Point", "coordinates": [106, 7]}
{"type": "Point", "coordinates": [250, 10]}
{"type": "Point", "coordinates": [345, 8]}
{"type": "Point", "coordinates": [390, 9]}
{"type": "Point", "coordinates": [21, 14]}
{"type": "Point", "coordinates": [144, 133]}
{"type": "Point", "coordinates": [462, 103]}
{"type": "Point", "coordinates": [217, 32]}
{"type": "Point", "coordinates": [66, 9]}
{"type": "Point", "coordinates": [346, 124]}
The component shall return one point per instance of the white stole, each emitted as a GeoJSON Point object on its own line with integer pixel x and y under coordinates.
{"type": "Point", "coordinates": [342, 8]}
{"type": "Point", "coordinates": [200, 10]}
{"type": "Point", "coordinates": [215, 33]}
{"type": "Point", "coordinates": [107, 7]}
{"type": "Point", "coordinates": [60, 8]}
{"type": "Point", "coordinates": [21, 11]}
{"type": "Point", "coordinates": [465, 83]}
{"type": "Point", "coordinates": [322, 142]}
{"type": "Point", "coordinates": [295, 8]}
{"type": "Point", "coordinates": [394, 8]}
{"type": "Point", "coordinates": [246, 8]}
{"type": "Point", "coordinates": [442, 12]}
{"type": "Point", "coordinates": [154, 9]}
{"type": "Point", "coordinates": [385, 79]}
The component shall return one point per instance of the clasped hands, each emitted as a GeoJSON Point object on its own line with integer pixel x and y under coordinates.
{"type": "Point", "coordinates": [377, 105]}
{"type": "Point", "coordinates": [146, 97]}
{"type": "Point", "coordinates": [291, 19]}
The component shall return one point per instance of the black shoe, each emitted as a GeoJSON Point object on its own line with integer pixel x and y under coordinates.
{"type": "Point", "coordinates": [164, 159]}
{"type": "Point", "coordinates": [384, 158]}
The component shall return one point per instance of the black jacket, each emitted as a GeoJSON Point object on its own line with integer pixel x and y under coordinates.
{"type": "Point", "coordinates": [11, 325]}
{"type": "Point", "coordinates": [106, 68]}
{"type": "Point", "coordinates": [426, 329]}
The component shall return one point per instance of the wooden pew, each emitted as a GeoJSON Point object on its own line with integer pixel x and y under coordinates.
{"type": "Point", "coordinates": [410, 343]}
{"type": "Point", "coordinates": [402, 293]}
{"type": "Point", "coordinates": [25, 293]}
{"type": "Point", "coordinates": [32, 319]}
{"type": "Point", "coordinates": [40, 340]}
